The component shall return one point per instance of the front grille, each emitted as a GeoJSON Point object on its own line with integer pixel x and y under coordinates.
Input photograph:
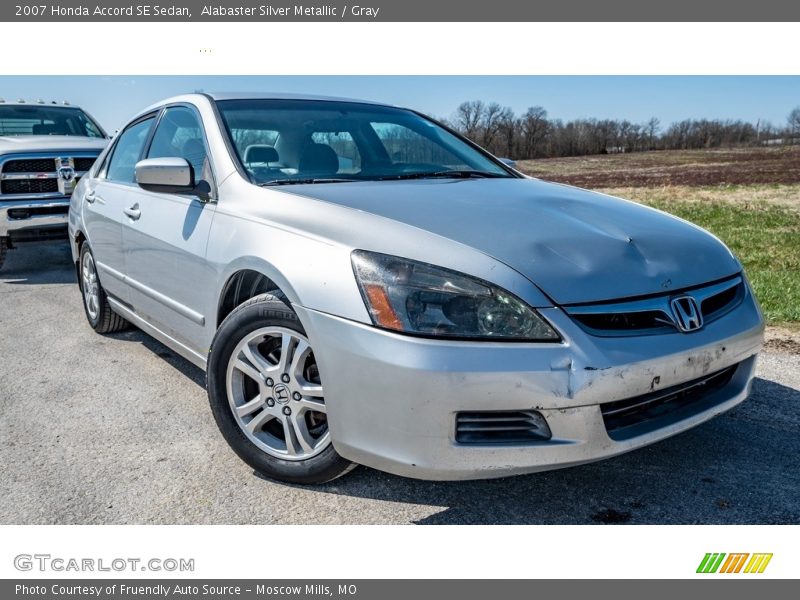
{"type": "Point", "coordinates": [622, 322]}
{"type": "Point", "coordinates": [719, 303]}
{"type": "Point", "coordinates": [29, 186]}
{"type": "Point", "coordinates": [622, 417]}
{"type": "Point", "coordinates": [30, 165]}
{"type": "Point", "coordinates": [33, 174]}
{"type": "Point", "coordinates": [653, 315]}
{"type": "Point", "coordinates": [84, 164]}
{"type": "Point", "coordinates": [501, 427]}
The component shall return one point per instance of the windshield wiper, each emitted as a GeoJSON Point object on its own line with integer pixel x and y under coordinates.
{"type": "Point", "coordinates": [306, 180]}
{"type": "Point", "coordinates": [451, 174]}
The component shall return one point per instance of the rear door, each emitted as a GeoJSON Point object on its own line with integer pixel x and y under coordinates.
{"type": "Point", "coordinates": [165, 245]}
{"type": "Point", "coordinates": [107, 196]}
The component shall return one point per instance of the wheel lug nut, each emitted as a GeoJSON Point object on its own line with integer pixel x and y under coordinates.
{"type": "Point", "coordinates": [285, 378]}
{"type": "Point", "coordinates": [270, 382]}
{"type": "Point", "coordinates": [287, 411]}
{"type": "Point", "coordinates": [296, 396]}
{"type": "Point", "coordinates": [270, 402]}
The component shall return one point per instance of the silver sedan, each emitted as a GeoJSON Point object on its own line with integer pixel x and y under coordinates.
{"type": "Point", "coordinates": [363, 285]}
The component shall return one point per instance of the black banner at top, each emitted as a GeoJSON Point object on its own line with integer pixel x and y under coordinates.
{"type": "Point", "coordinates": [405, 10]}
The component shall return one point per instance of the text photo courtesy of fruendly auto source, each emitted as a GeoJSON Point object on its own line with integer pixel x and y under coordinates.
{"type": "Point", "coordinates": [376, 300]}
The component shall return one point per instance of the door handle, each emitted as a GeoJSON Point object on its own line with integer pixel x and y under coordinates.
{"type": "Point", "coordinates": [133, 212]}
{"type": "Point", "coordinates": [91, 197]}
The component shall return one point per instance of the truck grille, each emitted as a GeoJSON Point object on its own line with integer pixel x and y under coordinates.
{"type": "Point", "coordinates": [501, 427]}
{"type": "Point", "coordinates": [29, 186]}
{"type": "Point", "coordinates": [653, 315]}
{"type": "Point", "coordinates": [84, 163]}
{"type": "Point", "coordinates": [29, 165]}
{"type": "Point", "coordinates": [37, 175]}
{"type": "Point", "coordinates": [622, 416]}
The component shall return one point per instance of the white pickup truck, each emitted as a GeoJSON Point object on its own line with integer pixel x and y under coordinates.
{"type": "Point", "coordinates": [44, 150]}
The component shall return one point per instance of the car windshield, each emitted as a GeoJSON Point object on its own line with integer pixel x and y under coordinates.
{"type": "Point", "coordinates": [47, 120]}
{"type": "Point", "coordinates": [281, 142]}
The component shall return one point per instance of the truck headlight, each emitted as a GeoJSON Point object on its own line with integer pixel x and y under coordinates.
{"type": "Point", "coordinates": [417, 298]}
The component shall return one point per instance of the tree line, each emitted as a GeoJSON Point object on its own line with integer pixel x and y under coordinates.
{"type": "Point", "coordinates": [534, 135]}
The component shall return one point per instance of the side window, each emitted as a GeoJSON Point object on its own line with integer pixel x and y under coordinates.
{"type": "Point", "coordinates": [345, 147]}
{"type": "Point", "coordinates": [127, 151]}
{"type": "Point", "coordinates": [180, 134]}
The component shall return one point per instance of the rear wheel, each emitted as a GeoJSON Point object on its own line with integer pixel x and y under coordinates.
{"type": "Point", "coordinates": [95, 302]}
{"type": "Point", "coordinates": [267, 397]}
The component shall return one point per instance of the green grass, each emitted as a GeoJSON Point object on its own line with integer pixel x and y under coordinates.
{"type": "Point", "coordinates": [765, 238]}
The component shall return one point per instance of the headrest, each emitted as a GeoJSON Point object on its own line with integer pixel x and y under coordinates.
{"type": "Point", "coordinates": [260, 154]}
{"type": "Point", "coordinates": [319, 158]}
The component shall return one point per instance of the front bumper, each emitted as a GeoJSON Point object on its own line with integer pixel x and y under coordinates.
{"type": "Point", "coordinates": [392, 399]}
{"type": "Point", "coordinates": [29, 217]}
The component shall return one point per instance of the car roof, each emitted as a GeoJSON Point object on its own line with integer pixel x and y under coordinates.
{"type": "Point", "coordinates": [221, 96]}
{"type": "Point", "coordinates": [283, 96]}
{"type": "Point", "coordinates": [204, 97]}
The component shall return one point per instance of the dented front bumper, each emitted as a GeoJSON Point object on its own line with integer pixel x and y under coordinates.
{"type": "Point", "coordinates": [393, 399]}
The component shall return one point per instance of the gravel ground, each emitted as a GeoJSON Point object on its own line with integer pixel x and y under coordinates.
{"type": "Point", "coordinates": [117, 430]}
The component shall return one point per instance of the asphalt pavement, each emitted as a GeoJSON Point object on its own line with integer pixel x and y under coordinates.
{"type": "Point", "coordinates": [117, 429]}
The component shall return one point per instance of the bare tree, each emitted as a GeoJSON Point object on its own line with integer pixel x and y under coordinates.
{"type": "Point", "coordinates": [651, 130]}
{"type": "Point", "coordinates": [794, 120]}
{"type": "Point", "coordinates": [534, 126]}
{"type": "Point", "coordinates": [534, 135]}
{"type": "Point", "coordinates": [468, 118]}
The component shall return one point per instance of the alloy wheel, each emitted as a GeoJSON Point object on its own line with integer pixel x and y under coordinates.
{"type": "Point", "coordinates": [275, 393]}
{"type": "Point", "coordinates": [91, 288]}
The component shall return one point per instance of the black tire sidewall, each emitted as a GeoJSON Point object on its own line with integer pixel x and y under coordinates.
{"type": "Point", "coordinates": [263, 311]}
{"type": "Point", "coordinates": [101, 297]}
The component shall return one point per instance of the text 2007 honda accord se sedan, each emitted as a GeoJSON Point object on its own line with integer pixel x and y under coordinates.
{"type": "Point", "coordinates": [363, 285]}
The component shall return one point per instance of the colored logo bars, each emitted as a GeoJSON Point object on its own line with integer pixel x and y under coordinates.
{"type": "Point", "coordinates": [734, 563]}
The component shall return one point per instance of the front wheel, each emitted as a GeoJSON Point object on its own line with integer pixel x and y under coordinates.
{"type": "Point", "coordinates": [267, 397]}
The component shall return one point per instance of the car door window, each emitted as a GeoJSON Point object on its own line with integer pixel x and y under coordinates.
{"type": "Point", "coordinates": [179, 134]}
{"type": "Point", "coordinates": [127, 152]}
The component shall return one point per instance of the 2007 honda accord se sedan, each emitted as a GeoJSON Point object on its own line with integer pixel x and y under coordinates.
{"type": "Point", "coordinates": [363, 285]}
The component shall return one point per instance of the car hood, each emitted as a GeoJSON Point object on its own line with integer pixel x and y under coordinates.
{"type": "Point", "coordinates": [47, 143]}
{"type": "Point", "coordinates": [576, 246]}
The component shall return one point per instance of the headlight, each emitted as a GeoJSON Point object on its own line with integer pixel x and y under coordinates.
{"type": "Point", "coordinates": [418, 298]}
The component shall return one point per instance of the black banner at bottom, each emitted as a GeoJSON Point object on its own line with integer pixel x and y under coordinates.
{"type": "Point", "coordinates": [392, 589]}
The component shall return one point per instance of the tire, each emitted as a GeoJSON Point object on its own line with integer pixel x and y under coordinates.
{"type": "Point", "coordinates": [3, 250]}
{"type": "Point", "coordinates": [95, 302]}
{"type": "Point", "coordinates": [266, 395]}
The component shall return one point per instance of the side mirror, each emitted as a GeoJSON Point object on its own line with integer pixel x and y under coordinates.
{"type": "Point", "coordinates": [508, 162]}
{"type": "Point", "coordinates": [171, 175]}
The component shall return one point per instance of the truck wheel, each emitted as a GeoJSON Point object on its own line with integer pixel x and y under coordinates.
{"type": "Point", "coordinates": [3, 251]}
{"type": "Point", "coordinates": [95, 303]}
{"type": "Point", "coordinates": [266, 394]}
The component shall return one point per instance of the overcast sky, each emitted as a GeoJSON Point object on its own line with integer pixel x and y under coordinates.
{"type": "Point", "coordinates": [113, 99]}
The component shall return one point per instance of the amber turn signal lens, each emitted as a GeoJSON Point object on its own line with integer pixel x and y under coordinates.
{"type": "Point", "coordinates": [381, 307]}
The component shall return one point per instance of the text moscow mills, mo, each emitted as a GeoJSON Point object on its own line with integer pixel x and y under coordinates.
{"type": "Point", "coordinates": [342, 11]}
{"type": "Point", "coordinates": [185, 590]}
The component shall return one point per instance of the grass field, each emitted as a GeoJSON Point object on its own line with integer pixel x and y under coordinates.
{"type": "Point", "coordinates": [749, 198]}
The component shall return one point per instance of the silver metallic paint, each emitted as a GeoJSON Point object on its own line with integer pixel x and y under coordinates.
{"type": "Point", "coordinates": [390, 398]}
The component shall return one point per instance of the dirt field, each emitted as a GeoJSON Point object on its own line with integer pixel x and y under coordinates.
{"type": "Point", "coordinates": [746, 166]}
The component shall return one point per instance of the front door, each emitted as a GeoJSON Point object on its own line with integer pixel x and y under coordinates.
{"type": "Point", "coordinates": [165, 238]}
